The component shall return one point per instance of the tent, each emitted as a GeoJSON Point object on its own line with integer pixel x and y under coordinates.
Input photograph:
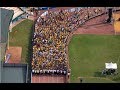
{"type": "Point", "coordinates": [111, 65]}
{"type": "Point", "coordinates": [111, 68]}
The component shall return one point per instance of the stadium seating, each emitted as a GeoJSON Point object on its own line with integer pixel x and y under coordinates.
{"type": "Point", "coordinates": [17, 11]}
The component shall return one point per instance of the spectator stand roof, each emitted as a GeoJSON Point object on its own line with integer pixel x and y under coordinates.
{"type": "Point", "coordinates": [17, 11]}
{"type": "Point", "coordinates": [14, 73]}
{"type": "Point", "coordinates": [5, 18]}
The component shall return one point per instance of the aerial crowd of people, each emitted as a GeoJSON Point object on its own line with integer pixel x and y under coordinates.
{"type": "Point", "coordinates": [51, 34]}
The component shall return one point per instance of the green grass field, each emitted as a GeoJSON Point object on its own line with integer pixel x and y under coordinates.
{"type": "Point", "coordinates": [88, 55]}
{"type": "Point", "coordinates": [95, 80]}
{"type": "Point", "coordinates": [21, 35]}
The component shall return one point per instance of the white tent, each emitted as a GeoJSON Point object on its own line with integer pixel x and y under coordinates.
{"type": "Point", "coordinates": [111, 65]}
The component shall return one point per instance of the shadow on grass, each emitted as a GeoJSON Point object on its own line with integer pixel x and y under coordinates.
{"type": "Point", "coordinates": [98, 74]}
{"type": "Point", "coordinates": [29, 54]}
{"type": "Point", "coordinates": [117, 79]}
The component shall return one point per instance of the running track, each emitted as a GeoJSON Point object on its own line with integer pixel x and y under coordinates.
{"type": "Point", "coordinates": [48, 78]}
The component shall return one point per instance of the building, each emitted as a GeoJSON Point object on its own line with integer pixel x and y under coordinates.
{"type": "Point", "coordinates": [14, 73]}
{"type": "Point", "coordinates": [18, 12]}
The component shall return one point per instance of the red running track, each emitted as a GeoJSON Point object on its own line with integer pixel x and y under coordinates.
{"type": "Point", "coordinates": [96, 26]}
{"type": "Point", "coordinates": [48, 78]}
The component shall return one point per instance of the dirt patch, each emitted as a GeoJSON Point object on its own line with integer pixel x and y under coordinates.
{"type": "Point", "coordinates": [15, 54]}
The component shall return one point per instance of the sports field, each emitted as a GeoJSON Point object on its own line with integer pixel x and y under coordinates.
{"type": "Point", "coordinates": [21, 36]}
{"type": "Point", "coordinates": [88, 55]}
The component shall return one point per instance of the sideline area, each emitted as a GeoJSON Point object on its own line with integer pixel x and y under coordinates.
{"type": "Point", "coordinates": [95, 79]}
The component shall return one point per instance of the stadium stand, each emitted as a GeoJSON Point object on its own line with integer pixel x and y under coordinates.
{"type": "Point", "coordinates": [17, 11]}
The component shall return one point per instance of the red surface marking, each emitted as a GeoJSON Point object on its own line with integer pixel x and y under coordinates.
{"type": "Point", "coordinates": [15, 54]}
{"type": "Point", "coordinates": [48, 78]}
{"type": "Point", "coordinates": [91, 28]}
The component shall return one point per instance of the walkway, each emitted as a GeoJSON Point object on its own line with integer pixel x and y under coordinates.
{"type": "Point", "coordinates": [48, 79]}
{"type": "Point", "coordinates": [97, 26]}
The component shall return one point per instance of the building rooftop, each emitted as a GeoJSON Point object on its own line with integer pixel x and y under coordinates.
{"type": "Point", "coordinates": [17, 11]}
{"type": "Point", "coordinates": [14, 73]}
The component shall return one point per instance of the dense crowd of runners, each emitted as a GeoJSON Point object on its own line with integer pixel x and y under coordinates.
{"type": "Point", "coordinates": [51, 34]}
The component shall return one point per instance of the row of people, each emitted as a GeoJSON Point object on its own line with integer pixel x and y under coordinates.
{"type": "Point", "coordinates": [49, 71]}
